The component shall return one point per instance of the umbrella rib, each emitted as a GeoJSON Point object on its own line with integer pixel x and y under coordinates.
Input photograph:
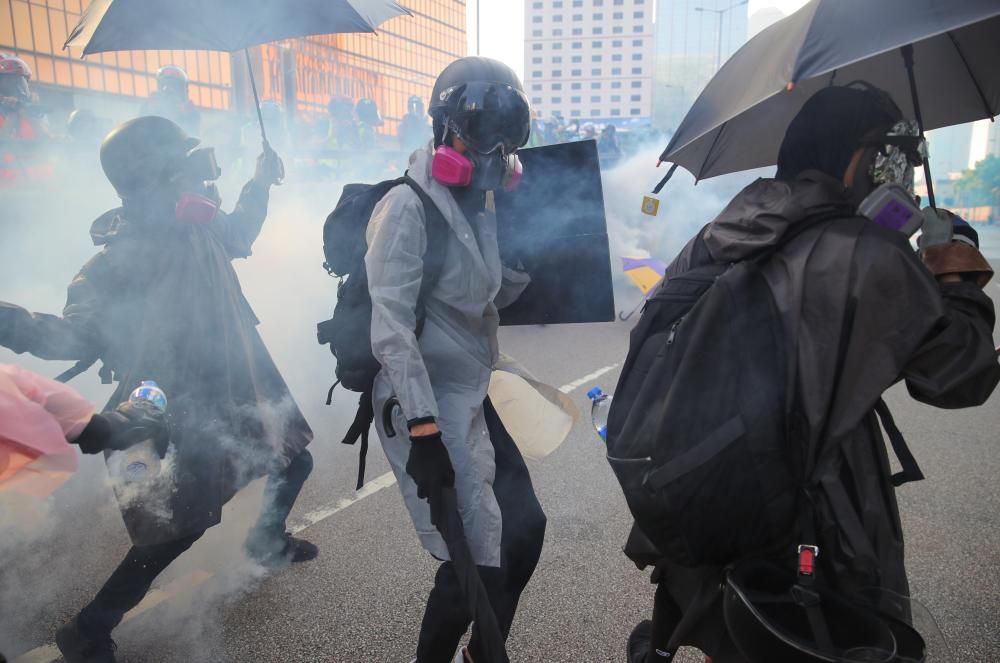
{"type": "Point", "coordinates": [972, 75]}
{"type": "Point", "coordinates": [704, 162]}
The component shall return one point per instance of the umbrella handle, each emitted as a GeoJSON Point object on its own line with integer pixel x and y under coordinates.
{"type": "Point", "coordinates": [907, 52]}
{"type": "Point", "coordinates": [256, 97]}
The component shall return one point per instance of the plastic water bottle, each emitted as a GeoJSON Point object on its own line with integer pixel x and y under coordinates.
{"type": "Point", "coordinates": [142, 463]}
{"type": "Point", "coordinates": [600, 406]}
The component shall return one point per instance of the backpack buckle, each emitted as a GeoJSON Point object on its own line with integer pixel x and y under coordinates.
{"type": "Point", "coordinates": [807, 560]}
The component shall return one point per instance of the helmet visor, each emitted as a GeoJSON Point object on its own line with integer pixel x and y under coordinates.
{"type": "Point", "coordinates": [488, 116]}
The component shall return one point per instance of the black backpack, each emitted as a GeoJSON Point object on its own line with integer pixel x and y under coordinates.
{"type": "Point", "coordinates": [349, 330]}
{"type": "Point", "coordinates": [699, 433]}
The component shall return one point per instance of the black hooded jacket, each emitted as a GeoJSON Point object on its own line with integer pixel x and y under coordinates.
{"type": "Point", "coordinates": [861, 313]}
{"type": "Point", "coordinates": [162, 301]}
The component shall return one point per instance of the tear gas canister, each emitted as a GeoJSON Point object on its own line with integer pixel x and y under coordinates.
{"type": "Point", "coordinates": [600, 406]}
{"type": "Point", "coordinates": [142, 462]}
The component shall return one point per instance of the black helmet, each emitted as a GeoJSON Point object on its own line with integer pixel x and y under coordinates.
{"type": "Point", "coordinates": [483, 103]}
{"type": "Point", "coordinates": [171, 78]}
{"type": "Point", "coordinates": [767, 623]}
{"type": "Point", "coordinates": [143, 153]}
{"type": "Point", "coordinates": [415, 106]}
{"type": "Point", "coordinates": [367, 112]}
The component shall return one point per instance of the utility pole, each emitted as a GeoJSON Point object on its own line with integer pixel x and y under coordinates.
{"type": "Point", "coordinates": [721, 14]}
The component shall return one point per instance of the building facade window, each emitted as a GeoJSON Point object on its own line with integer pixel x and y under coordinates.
{"type": "Point", "coordinates": [638, 14]}
{"type": "Point", "coordinates": [576, 72]}
{"type": "Point", "coordinates": [536, 19]}
{"type": "Point", "coordinates": [574, 100]}
{"type": "Point", "coordinates": [557, 32]}
{"type": "Point", "coordinates": [637, 71]}
{"type": "Point", "coordinates": [557, 59]}
{"type": "Point", "coordinates": [635, 97]}
{"type": "Point", "coordinates": [575, 86]}
{"type": "Point", "coordinates": [617, 57]}
{"type": "Point", "coordinates": [595, 58]}
{"type": "Point", "coordinates": [536, 60]}
{"type": "Point", "coordinates": [577, 17]}
{"type": "Point", "coordinates": [536, 33]}
{"type": "Point", "coordinates": [637, 29]}
{"type": "Point", "coordinates": [577, 59]}
{"type": "Point", "coordinates": [637, 56]}
{"type": "Point", "coordinates": [595, 72]}
{"type": "Point", "coordinates": [574, 113]}
{"type": "Point", "coordinates": [618, 16]}
{"type": "Point", "coordinates": [616, 85]}
{"type": "Point", "coordinates": [616, 98]}
{"type": "Point", "coordinates": [536, 47]}
{"type": "Point", "coordinates": [636, 83]}
{"type": "Point", "coordinates": [615, 112]}
{"type": "Point", "coordinates": [598, 31]}
{"type": "Point", "coordinates": [595, 99]}
{"type": "Point", "coordinates": [637, 43]}
{"type": "Point", "coordinates": [635, 111]}
{"type": "Point", "coordinates": [556, 87]}
{"type": "Point", "coordinates": [598, 16]}
{"type": "Point", "coordinates": [596, 85]}
{"type": "Point", "coordinates": [617, 30]}
{"type": "Point", "coordinates": [577, 32]}
{"type": "Point", "coordinates": [616, 71]}
{"type": "Point", "coordinates": [617, 43]}
{"type": "Point", "coordinates": [536, 74]}
{"type": "Point", "coordinates": [577, 44]}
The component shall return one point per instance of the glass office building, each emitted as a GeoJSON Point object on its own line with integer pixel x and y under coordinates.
{"type": "Point", "coordinates": [401, 60]}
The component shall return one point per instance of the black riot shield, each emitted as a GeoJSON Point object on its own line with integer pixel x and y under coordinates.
{"type": "Point", "coordinates": [554, 225]}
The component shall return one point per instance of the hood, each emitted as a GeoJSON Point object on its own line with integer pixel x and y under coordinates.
{"type": "Point", "coordinates": [760, 214]}
{"type": "Point", "coordinates": [106, 226]}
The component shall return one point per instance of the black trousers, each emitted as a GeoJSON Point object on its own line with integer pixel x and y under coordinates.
{"type": "Point", "coordinates": [134, 576]}
{"type": "Point", "coordinates": [446, 617]}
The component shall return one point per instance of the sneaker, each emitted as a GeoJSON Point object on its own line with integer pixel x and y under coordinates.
{"type": "Point", "coordinates": [78, 647]}
{"type": "Point", "coordinates": [276, 553]}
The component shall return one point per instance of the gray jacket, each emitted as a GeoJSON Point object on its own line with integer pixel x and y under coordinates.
{"type": "Point", "coordinates": [445, 373]}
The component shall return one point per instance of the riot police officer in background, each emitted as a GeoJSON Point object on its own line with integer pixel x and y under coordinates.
{"type": "Point", "coordinates": [414, 130]}
{"type": "Point", "coordinates": [22, 125]}
{"type": "Point", "coordinates": [170, 100]}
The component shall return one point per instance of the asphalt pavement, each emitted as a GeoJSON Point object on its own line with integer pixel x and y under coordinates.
{"type": "Point", "coordinates": [362, 599]}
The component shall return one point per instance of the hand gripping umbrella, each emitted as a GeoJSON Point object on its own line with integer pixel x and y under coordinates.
{"type": "Point", "coordinates": [448, 521]}
{"type": "Point", "coordinates": [221, 25]}
{"type": "Point", "coordinates": [936, 58]}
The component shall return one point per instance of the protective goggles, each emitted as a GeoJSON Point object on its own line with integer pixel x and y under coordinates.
{"type": "Point", "coordinates": [488, 116]}
{"type": "Point", "coordinates": [900, 150]}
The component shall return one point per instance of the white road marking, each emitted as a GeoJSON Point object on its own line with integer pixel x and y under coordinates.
{"type": "Point", "coordinates": [49, 653]}
{"type": "Point", "coordinates": [576, 384]}
{"type": "Point", "coordinates": [319, 515]}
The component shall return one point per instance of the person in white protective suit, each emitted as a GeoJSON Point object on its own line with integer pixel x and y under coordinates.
{"type": "Point", "coordinates": [441, 376]}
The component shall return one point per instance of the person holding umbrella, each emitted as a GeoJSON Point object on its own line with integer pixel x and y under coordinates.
{"type": "Point", "coordinates": [162, 301]}
{"type": "Point", "coordinates": [434, 381]}
{"type": "Point", "coordinates": [861, 311]}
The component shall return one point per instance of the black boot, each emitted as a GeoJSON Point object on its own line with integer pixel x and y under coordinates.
{"type": "Point", "coordinates": [79, 646]}
{"type": "Point", "coordinates": [275, 551]}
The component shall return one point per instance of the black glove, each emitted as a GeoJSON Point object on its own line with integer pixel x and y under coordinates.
{"type": "Point", "coordinates": [430, 465]}
{"type": "Point", "coordinates": [129, 424]}
{"type": "Point", "coordinates": [270, 167]}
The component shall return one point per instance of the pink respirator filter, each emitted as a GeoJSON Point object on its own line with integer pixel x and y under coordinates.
{"type": "Point", "coordinates": [450, 167]}
{"type": "Point", "coordinates": [196, 209]}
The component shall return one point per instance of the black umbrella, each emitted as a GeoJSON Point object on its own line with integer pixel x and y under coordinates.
{"type": "Point", "coordinates": [445, 516]}
{"type": "Point", "coordinates": [937, 58]}
{"type": "Point", "coordinates": [221, 25]}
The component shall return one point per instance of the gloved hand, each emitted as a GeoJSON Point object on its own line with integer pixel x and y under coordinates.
{"type": "Point", "coordinates": [136, 421]}
{"type": "Point", "coordinates": [936, 230]}
{"type": "Point", "coordinates": [270, 167]}
{"type": "Point", "coordinates": [950, 250]}
{"type": "Point", "coordinates": [12, 327]}
{"type": "Point", "coordinates": [430, 465]}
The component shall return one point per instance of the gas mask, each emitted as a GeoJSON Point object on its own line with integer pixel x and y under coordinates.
{"type": "Point", "coordinates": [486, 172]}
{"type": "Point", "coordinates": [198, 200]}
{"type": "Point", "coordinates": [888, 163]}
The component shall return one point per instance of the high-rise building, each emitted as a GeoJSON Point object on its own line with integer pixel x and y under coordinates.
{"type": "Point", "coordinates": [589, 60]}
{"type": "Point", "coordinates": [693, 39]}
{"type": "Point", "coordinates": [403, 59]}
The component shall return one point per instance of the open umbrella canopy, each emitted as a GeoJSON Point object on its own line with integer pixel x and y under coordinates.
{"type": "Point", "coordinates": [220, 25]}
{"type": "Point", "coordinates": [739, 120]}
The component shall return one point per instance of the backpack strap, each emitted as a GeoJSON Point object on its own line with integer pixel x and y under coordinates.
{"type": "Point", "coordinates": [911, 470]}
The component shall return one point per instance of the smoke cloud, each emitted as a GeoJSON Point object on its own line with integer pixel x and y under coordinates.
{"type": "Point", "coordinates": [55, 554]}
